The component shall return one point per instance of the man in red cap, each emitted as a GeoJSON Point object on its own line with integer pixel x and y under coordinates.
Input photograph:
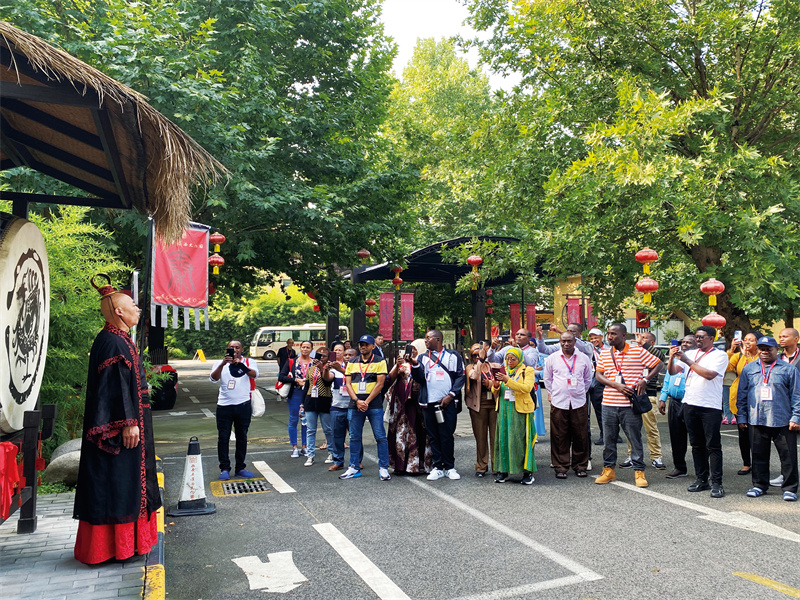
{"type": "Point", "coordinates": [117, 493]}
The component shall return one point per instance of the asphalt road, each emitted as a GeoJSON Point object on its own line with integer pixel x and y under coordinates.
{"type": "Point", "coordinates": [409, 537]}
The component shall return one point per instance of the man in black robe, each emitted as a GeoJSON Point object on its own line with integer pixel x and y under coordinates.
{"type": "Point", "coordinates": [117, 494]}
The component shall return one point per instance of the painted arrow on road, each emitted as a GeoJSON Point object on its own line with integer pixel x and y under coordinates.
{"type": "Point", "coordinates": [278, 575]}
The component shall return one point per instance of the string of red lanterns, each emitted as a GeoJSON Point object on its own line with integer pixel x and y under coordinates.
{"type": "Point", "coordinates": [397, 281]}
{"type": "Point", "coordinates": [712, 288]}
{"type": "Point", "coordinates": [475, 261]}
{"type": "Point", "coordinates": [646, 285]}
{"type": "Point", "coordinates": [370, 314]}
{"type": "Point", "coordinates": [215, 260]}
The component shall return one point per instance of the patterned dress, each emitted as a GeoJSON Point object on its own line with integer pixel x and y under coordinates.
{"type": "Point", "coordinates": [514, 438]}
{"type": "Point", "coordinates": [406, 433]}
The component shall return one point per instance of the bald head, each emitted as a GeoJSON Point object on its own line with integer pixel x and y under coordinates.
{"type": "Point", "coordinates": [788, 339]}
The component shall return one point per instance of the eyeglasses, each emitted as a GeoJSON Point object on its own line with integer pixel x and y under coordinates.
{"type": "Point", "coordinates": [475, 355]}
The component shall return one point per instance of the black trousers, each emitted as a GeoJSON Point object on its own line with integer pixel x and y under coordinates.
{"type": "Point", "coordinates": [237, 416]}
{"type": "Point", "coordinates": [703, 425]}
{"type": "Point", "coordinates": [678, 436]}
{"type": "Point", "coordinates": [785, 443]}
{"type": "Point", "coordinates": [744, 446]}
{"type": "Point", "coordinates": [441, 435]}
{"type": "Point", "coordinates": [595, 395]}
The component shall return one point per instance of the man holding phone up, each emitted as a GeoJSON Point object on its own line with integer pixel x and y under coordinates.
{"type": "Point", "coordinates": [236, 377]}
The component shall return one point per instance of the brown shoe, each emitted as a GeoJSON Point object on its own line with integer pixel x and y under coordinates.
{"type": "Point", "coordinates": [335, 467]}
{"type": "Point", "coordinates": [639, 479]}
{"type": "Point", "coordinates": [607, 476]}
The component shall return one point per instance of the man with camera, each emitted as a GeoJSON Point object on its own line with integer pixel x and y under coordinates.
{"type": "Point", "coordinates": [441, 374]}
{"type": "Point", "coordinates": [496, 354]}
{"type": "Point", "coordinates": [236, 377]}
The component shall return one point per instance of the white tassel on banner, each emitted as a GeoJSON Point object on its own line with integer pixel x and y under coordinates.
{"type": "Point", "coordinates": [175, 317]}
{"type": "Point", "coordinates": [153, 314]}
{"type": "Point", "coordinates": [164, 316]}
{"type": "Point", "coordinates": [205, 311]}
{"type": "Point", "coordinates": [197, 319]}
{"type": "Point", "coordinates": [186, 319]}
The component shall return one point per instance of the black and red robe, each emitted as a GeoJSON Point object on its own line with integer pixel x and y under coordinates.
{"type": "Point", "coordinates": [117, 494]}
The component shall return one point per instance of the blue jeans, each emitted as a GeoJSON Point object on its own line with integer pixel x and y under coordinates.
{"type": "Point", "coordinates": [357, 418]}
{"type": "Point", "coordinates": [295, 400]}
{"type": "Point", "coordinates": [615, 417]}
{"type": "Point", "coordinates": [311, 436]}
{"type": "Point", "coordinates": [339, 425]}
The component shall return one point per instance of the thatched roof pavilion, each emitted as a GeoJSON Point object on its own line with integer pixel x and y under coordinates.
{"type": "Point", "coordinates": [70, 121]}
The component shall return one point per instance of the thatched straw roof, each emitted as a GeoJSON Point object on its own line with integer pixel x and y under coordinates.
{"type": "Point", "coordinates": [66, 119]}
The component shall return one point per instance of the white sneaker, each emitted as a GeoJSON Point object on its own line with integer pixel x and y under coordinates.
{"type": "Point", "coordinates": [309, 461]}
{"type": "Point", "coordinates": [384, 474]}
{"type": "Point", "coordinates": [589, 466]}
{"type": "Point", "coordinates": [777, 482]}
{"type": "Point", "coordinates": [435, 474]}
{"type": "Point", "coordinates": [329, 460]}
{"type": "Point", "coordinates": [452, 474]}
{"type": "Point", "coordinates": [350, 473]}
{"type": "Point", "coordinates": [295, 453]}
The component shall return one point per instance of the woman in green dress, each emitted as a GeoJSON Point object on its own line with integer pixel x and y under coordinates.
{"type": "Point", "coordinates": [516, 432]}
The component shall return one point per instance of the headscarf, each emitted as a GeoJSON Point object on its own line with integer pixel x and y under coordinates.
{"type": "Point", "coordinates": [516, 352]}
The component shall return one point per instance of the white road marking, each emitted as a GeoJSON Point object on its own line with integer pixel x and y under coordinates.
{"type": "Point", "coordinates": [177, 414]}
{"type": "Point", "coordinates": [525, 589]}
{"type": "Point", "coordinates": [737, 518]}
{"type": "Point", "coordinates": [278, 575]}
{"type": "Point", "coordinates": [733, 435]}
{"type": "Point", "coordinates": [185, 390]}
{"type": "Point", "coordinates": [384, 588]}
{"type": "Point", "coordinates": [582, 572]}
{"type": "Point", "coordinates": [207, 413]}
{"type": "Point", "coordinates": [274, 479]}
{"type": "Point", "coordinates": [194, 399]}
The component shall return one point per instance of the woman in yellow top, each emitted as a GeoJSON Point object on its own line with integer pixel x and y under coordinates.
{"type": "Point", "coordinates": [742, 353]}
{"type": "Point", "coordinates": [515, 435]}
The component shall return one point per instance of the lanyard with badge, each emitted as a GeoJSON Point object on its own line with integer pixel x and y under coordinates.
{"type": "Point", "coordinates": [697, 362]}
{"type": "Point", "coordinates": [342, 384]}
{"type": "Point", "coordinates": [764, 386]}
{"type": "Point", "coordinates": [572, 381]}
{"type": "Point", "coordinates": [362, 385]}
{"type": "Point", "coordinates": [618, 377]}
{"type": "Point", "coordinates": [435, 369]}
{"type": "Point", "coordinates": [314, 380]}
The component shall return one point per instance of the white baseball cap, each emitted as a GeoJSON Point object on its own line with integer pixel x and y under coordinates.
{"type": "Point", "coordinates": [595, 331]}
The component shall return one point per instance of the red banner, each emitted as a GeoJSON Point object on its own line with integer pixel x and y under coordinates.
{"type": "Point", "coordinates": [180, 271]}
{"type": "Point", "coordinates": [407, 316]}
{"type": "Point", "coordinates": [386, 315]}
{"type": "Point", "coordinates": [642, 320]}
{"type": "Point", "coordinates": [574, 311]}
{"type": "Point", "coordinates": [514, 317]}
{"type": "Point", "coordinates": [530, 317]}
{"type": "Point", "coordinates": [591, 320]}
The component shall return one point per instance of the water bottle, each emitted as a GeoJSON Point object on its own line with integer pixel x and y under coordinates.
{"type": "Point", "coordinates": [303, 418]}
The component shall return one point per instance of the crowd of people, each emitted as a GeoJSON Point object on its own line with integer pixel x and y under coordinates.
{"type": "Point", "coordinates": [501, 385]}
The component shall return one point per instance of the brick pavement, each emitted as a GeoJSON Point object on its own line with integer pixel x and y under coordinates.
{"type": "Point", "coordinates": [41, 565]}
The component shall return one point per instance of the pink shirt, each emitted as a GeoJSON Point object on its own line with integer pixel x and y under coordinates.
{"type": "Point", "coordinates": [568, 379]}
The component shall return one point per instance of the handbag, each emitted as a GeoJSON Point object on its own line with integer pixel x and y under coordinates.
{"type": "Point", "coordinates": [257, 403]}
{"type": "Point", "coordinates": [283, 389]}
{"type": "Point", "coordinates": [640, 403]}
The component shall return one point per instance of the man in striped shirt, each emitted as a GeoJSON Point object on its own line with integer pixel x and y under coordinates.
{"type": "Point", "coordinates": [621, 369]}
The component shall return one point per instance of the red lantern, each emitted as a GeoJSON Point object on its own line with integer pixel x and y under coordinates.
{"type": "Point", "coordinates": [364, 255]}
{"type": "Point", "coordinates": [397, 270]}
{"type": "Point", "coordinates": [463, 332]}
{"type": "Point", "coordinates": [715, 320]}
{"type": "Point", "coordinates": [370, 302]}
{"type": "Point", "coordinates": [489, 310]}
{"type": "Point", "coordinates": [216, 261]}
{"type": "Point", "coordinates": [712, 287]}
{"type": "Point", "coordinates": [216, 238]}
{"type": "Point", "coordinates": [489, 302]}
{"type": "Point", "coordinates": [316, 308]}
{"type": "Point", "coordinates": [646, 256]}
{"type": "Point", "coordinates": [489, 292]}
{"type": "Point", "coordinates": [371, 314]}
{"type": "Point", "coordinates": [474, 261]}
{"type": "Point", "coordinates": [397, 283]}
{"type": "Point", "coordinates": [647, 286]}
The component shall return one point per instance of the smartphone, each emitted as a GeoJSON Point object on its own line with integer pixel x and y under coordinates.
{"type": "Point", "coordinates": [737, 335]}
{"type": "Point", "coordinates": [482, 344]}
{"type": "Point", "coordinates": [407, 353]}
{"type": "Point", "coordinates": [230, 352]}
{"type": "Point", "coordinates": [500, 369]}
{"type": "Point", "coordinates": [674, 343]}
{"type": "Point", "coordinates": [545, 326]}
{"type": "Point", "coordinates": [313, 355]}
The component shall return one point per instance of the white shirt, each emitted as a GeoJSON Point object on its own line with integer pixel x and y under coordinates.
{"type": "Point", "coordinates": [233, 390]}
{"type": "Point", "coordinates": [706, 393]}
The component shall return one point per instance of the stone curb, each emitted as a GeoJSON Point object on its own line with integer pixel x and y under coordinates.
{"type": "Point", "coordinates": [154, 572]}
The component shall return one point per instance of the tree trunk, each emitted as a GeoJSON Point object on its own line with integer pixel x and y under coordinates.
{"type": "Point", "coordinates": [736, 317]}
{"type": "Point", "coordinates": [789, 318]}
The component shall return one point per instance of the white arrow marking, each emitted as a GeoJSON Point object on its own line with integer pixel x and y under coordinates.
{"type": "Point", "coordinates": [274, 479]}
{"type": "Point", "coordinates": [185, 390]}
{"type": "Point", "coordinates": [385, 588]}
{"type": "Point", "coordinates": [737, 518]}
{"type": "Point", "coordinates": [194, 399]}
{"type": "Point", "coordinates": [207, 413]}
{"type": "Point", "coordinates": [278, 575]}
{"type": "Point", "coordinates": [178, 414]}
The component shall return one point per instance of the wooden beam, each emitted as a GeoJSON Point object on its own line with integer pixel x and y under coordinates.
{"type": "Point", "coordinates": [48, 95]}
{"type": "Point", "coordinates": [53, 199]}
{"type": "Point", "coordinates": [106, 132]}
{"type": "Point", "coordinates": [51, 122]}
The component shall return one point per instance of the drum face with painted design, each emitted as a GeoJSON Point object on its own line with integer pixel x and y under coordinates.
{"type": "Point", "coordinates": [24, 318]}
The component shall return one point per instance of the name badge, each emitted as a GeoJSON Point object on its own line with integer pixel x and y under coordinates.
{"type": "Point", "coordinates": [766, 393]}
{"type": "Point", "coordinates": [689, 381]}
{"type": "Point", "coordinates": [509, 395]}
{"type": "Point", "coordinates": [618, 378]}
{"type": "Point", "coordinates": [362, 387]}
{"type": "Point", "coordinates": [572, 382]}
{"type": "Point", "coordinates": [439, 374]}
{"type": "Point", "coordinates": [314, 392]}
{"type": "Point", "coordinates": [231, 384]}
{"type": "Point", "coordinates": [343, 391]}
{"type": "Point", "coordinates": [677, 381]}
{"type": "Point", "coordinates": [645, 372]}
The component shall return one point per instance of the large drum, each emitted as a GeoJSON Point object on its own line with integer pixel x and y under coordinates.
{"type": "Point", "coordinates": [24, 318]}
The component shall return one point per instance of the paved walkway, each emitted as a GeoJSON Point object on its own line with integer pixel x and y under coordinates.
{"type": "Point", "coordinates": [41, 565]}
